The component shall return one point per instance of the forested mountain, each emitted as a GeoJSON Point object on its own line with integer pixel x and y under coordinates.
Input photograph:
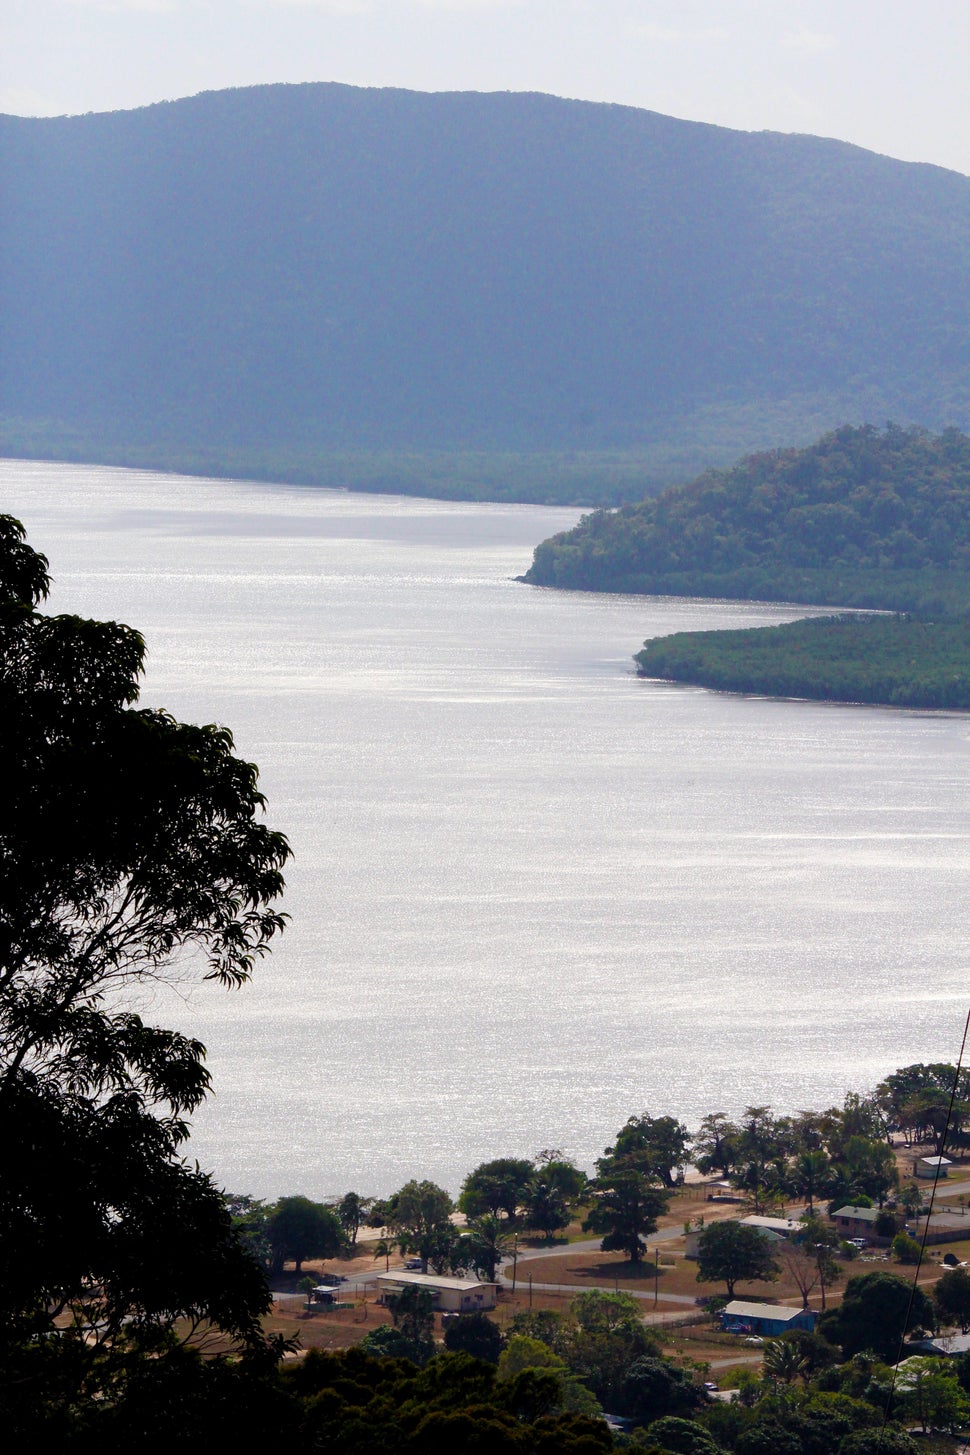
{"type": "Point", "coordinates": [514, 291]}
{"type": "Point", "coordinates": [864, 517]}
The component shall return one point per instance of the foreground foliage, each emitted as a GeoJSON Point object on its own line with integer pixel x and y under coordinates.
{"type": "Point", "coordinates": [127, 839]}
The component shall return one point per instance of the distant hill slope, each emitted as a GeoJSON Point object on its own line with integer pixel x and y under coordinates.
{"type": "Point", "coordinates": [864, 517]}
{"type": "Point", "coordinates": [255, 279]}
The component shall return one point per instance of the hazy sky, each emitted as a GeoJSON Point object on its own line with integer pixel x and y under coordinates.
{"type": "Point", "coordinates": [888, 74]}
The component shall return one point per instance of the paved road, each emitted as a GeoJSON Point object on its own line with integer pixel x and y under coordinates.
{"type": "Point", "coordinates": [683, 1301]}
{"type": "Point", "coordinates": [738, 1359]}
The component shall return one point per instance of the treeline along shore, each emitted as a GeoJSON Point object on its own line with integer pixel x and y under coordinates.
{"type": "Point", "coordinates": [865, 518]}
{"type": "Point", "coordinates": [774, 1243]}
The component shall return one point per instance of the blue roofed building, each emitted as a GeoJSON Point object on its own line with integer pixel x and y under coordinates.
{"type": "Point", "coordinates": [767, 1319]}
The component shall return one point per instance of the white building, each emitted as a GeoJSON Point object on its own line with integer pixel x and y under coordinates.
{"type": "Point", "coordinates": [448, 1295]}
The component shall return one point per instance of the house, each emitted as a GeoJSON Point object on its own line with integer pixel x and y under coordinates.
{"type": "Point", "coordinates": [943, 1345]}
{"type": "Point", "coordinates": [858, 1222]}
{"type": "Point", "coordinates": [740, 1317]}
{"type": "Point", "coordinates": [774, 1230]}
{"type": "Point", "coordinates": [931, 1168]}
{"type": "Point", "coordinates": [451, 1295]}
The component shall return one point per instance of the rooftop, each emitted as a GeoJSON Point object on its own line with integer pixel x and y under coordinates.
{"type": "Point", "coordinates": [432, 1280]}
{"type": "Point", "coordinates": [738, 1309]}
{"type": "Point", "coordinates": [774, 1225]}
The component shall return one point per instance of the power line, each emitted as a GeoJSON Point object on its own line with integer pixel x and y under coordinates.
{"type": "Point", "coordinates": [926, 1224]}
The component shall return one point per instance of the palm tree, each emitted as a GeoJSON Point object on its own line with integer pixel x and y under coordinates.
{"type": "Point", "coordinates": [810, 1175]}
{"type": "Point", "coordinates": [785, 1361]}
{"type": "Point", "coordinates": [488, 1243]}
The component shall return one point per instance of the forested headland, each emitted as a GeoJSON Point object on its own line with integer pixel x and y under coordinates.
{"type": "Point", "coordinates": [898, 662]}
{"type": "Point", "coordinates": [864, 518]}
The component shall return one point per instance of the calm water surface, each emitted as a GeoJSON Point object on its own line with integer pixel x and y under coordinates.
{"type": "Point", "coordinates": [531, 894]}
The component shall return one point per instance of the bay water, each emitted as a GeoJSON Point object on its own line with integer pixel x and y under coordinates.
{"type": "Point", "coordinates": [531, 894]}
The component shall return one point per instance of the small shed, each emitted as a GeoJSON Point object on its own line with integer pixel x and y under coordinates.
{"type": "Point", "coordinates": [931, 1168]}
{"type": "Point", "coordinates": [740, 1317]}
{"type": "Point", "coordinates": [324, 1296]}
{"type": "Point", "coordinates": [721, 1191]}
{"type": "Point", "coordinates": [451, 1295]}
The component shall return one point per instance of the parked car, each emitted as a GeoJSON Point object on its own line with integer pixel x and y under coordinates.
{"type": "Point", "coordinates": [413, 1265]}
{"type": "Point", "coordinates": [754, 1339]}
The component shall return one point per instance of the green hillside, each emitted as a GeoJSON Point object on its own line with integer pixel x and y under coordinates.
{"type": "Point", "coordinates": [864, 517]}
{"type": "Point", "coordinates": [507, 296]}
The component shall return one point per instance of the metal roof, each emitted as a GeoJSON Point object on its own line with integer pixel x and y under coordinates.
{"type": "Point", "coordinates": [432, 1280]}
{"type": "Point", "coordinates": [737, 1309]}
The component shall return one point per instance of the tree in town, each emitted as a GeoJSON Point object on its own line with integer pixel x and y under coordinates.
{"type": "Point", "coordinates": [543, 1324]}
{"type": "Point", "coordinates": [298, 1229]}
{"type": "Point", "coordinates": [606, 1335]}
{"type": "Point", "coordinates": [523, 1353]}
{"type": "Point", "coordinates": [905, 1248]}
{"type": "Point", "coordinates": [499, 1186]}
{"type": "Point", "coordinates": [715, 1145]}
{"type": "Point", "coordinates": [627, 1201]}
{"type": "Point", "coordinates": [916, 1100]}
{"type": "Point", "coordinates": [660, 1144]}
{"type": "Point", "coordinates": [951, 1294]}
{"type": "Point", "coordinates": [875, 1312]}
{"type": "Point", "coordinates": [809, 1175]}
{"type": "Point", "coordinates": [545, 1209]}
{"type": "Point", "coordinates": [731, 1252]}
{"type": "Point", "coordinates": [868, 1168]}
{"type": "Point", "coordinates": [250, 1216]}
{"type": "Point", "coordinates": [931, 1393]}
{"type": "Point", "coordinates": [888, 1441]}
{"type": "Point", "coordinates": [412, 1315]}
{"type": "Point", "coordinates": [861, 1116]}
{"type": "Point", "coordinates": [771, 1436]}
{"type": "Point", "coordinates": [486, 1243]}
{"type": "Point", "coordinates": [475, 1334]}
{"type": "Point", "coordinates": [763, 1144]}
{"type": "Point", "coordinates": [911, 1199]}
{"type": "Point", "coordinates": [810, 1257]}
{"type": "Point", "coordinates": [784, 1360]}
{"type": "Point", "coordinates": [802, 1266]}
{"type": "Point", "coordinates": [553, 1191]}
{"type": "Point", "coordinates": [676, 1436]}
{"type": "Point", "coordinates": [419, 1216]}
{"type": "Point", "coordinates": [655, 1387]}
{"type": "Point", "coordinates": [128, 841]}
{"type": "Point", "coordinates": [353, 1210]}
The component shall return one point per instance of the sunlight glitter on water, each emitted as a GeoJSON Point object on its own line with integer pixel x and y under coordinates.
{"type": "Point", "coordinates": [531, 894]}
